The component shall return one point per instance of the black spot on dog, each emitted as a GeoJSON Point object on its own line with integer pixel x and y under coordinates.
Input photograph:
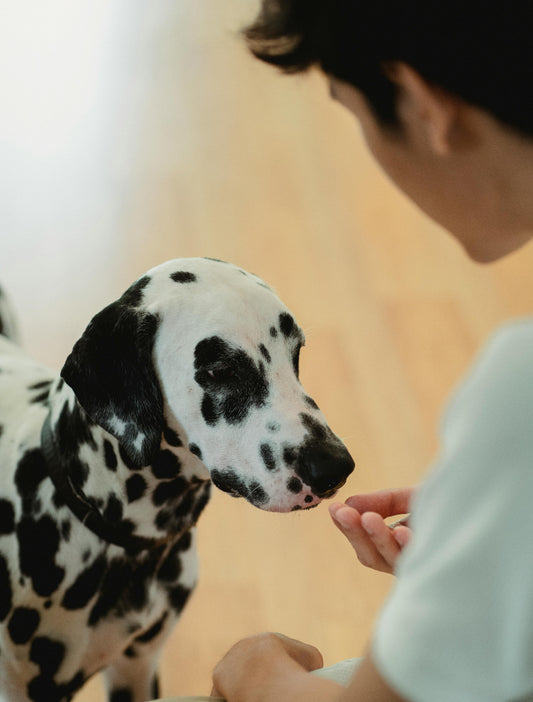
{"type": "Point", "coordinates": [232, 382]}
{"type": "Point", "coordinates": [201, 502]}
{"type": "Point", "coordinates": [171, 437]}
{"type": "Point", "coordinates": [6, 592]}
{"type": "Point", "coordinates": [121, 694]}
{"type": "Point", "coordinates": [38, 545]}
{"type": "Point", "coordinates": [209, 412]}
{"type": "Point", "coordinates": [41, 398]}
{"type": "Point", "coordinates": [73, 428]}
{"type": "Point", "coordinates": [294, 485]}
{"type": "Point", "coordinates": [166, 465]}
{"type": "Point", "coordinates": [163, 520]}
{"type": "Point", "coordinates": [193, 448]}
{"type": "Point", "coordinates": [74, 685]}
{"type": "Point", "coordinates": [23, 624]}
{"type": "Point", "coordinates": [48, 655]}
{"type": "Point", "coordinates": [177, 597]}
{"type": "Point", "coordinates": [296, 362]}
{"type": "Point", "coordinates": [7, 517]}
{"type": "Point", "coordinates": [185, 505]}
{"type": "Point", "coordinates": [31, 471]}
{"type": "Point", "coordinates": [268, 457]}
{"type": "Point", "coordinates": [122, 589]}
{"type": "Point", "coordinates": [135, 487]}
{"type": "Point", "coordinates": [184, 543]}
{"type": "Point", "coordinates": [125, 528]}
{"type": "Point", "coordinates": [311, 402]}
{"type": "Point", "coordinates": [273, 427]}
{"type": "Point", "coordinates": [308, 498]}
{"type": "Point", "coordinates": [317, 430]}
{"type": "Point", "coordinates": [170, 570]}
{"type": "Point", "coordinates": [133, 296]}
{"type": "Point", "coordinates": [256, 495]}
{"type": "Point", "coordinates": [41, 385]}
{"type": "Point", "coordinates": [58, 500]}
{"type": "Point", "coordinates": [43, 391]}
{"type": "Point", "coordinates": [183, 277]}
{"type": "Point", "coordinates": [228, 481]}
{"type": "Point", "coordinates": [273, 332]}
{"type": "Point", "coordinates": [290, 455]}
{"type": "Point", "coordinates": [110, 456]}
{"type": "Point", "coordinates": [287, 325]}
{"type": "Point", "coordinates": [265, 352]}
{"type": "Point", "coordinates": [113, 510]}
{"type": "Point", "coordinates": [43, 689]}
{"type": "Point", "coordinates": [66, 529]}
{"type": "Point", "coordinates": [168, 491]}
{"type": "Point", "coordinates": [84, 588]}
{"type": "Point", "coordinates": [153, 631]}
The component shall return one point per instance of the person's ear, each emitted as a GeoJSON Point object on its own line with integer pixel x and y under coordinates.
{"type": "Point", "coordinates": [425, 106]}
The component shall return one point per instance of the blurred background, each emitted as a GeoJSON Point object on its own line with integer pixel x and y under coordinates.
{"type": "Point", "coordinates": [132, 132]}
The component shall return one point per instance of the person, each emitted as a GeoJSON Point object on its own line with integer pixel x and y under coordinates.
{"type": "Point", "coordinates": [442, 93]}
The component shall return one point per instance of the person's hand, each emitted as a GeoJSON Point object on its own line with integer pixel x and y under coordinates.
{"type": "Point", "coordinates": [362, 520]}
{"type": "Point", "coordinates": [262, 660]}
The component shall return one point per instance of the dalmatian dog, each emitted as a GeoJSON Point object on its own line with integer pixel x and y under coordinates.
{"type": "Point", "coordinates": [189, 378]}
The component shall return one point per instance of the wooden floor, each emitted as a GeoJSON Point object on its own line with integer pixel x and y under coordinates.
{"type": "Point", "coordinates": [134, 132]}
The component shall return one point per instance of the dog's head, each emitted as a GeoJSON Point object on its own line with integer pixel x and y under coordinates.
{"type": "Point", "coordinates": [207, 347]}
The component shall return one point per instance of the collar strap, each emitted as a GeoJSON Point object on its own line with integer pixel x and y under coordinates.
{"type": "Point", "coordinates": [79, 503]}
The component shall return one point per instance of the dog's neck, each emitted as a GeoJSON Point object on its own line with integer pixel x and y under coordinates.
{"type": "Point", "coordinates": [131, 507]}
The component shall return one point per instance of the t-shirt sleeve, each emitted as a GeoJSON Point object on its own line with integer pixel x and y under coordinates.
{"type": "Point", "coordinates": [459, 622]}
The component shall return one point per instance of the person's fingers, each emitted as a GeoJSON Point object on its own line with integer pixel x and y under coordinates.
{"type": "Point", "coordinates": [385, 502]}
{"type": "Point", "coordinates": [402, 534]}
{"type": "Point", "coordinates": [348, 521]}
{"type": "Point", "coordinates": [382, 537]}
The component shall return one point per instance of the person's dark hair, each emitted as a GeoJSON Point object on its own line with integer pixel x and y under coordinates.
{"type": "Point", "coordinates": [480, 51]}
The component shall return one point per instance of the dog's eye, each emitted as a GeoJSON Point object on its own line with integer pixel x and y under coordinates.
{"type": "Point", "coordinates": [221, 374]}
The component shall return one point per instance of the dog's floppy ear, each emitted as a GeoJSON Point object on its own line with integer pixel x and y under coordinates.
{"type": "Point", "coordinates": [111, 372]}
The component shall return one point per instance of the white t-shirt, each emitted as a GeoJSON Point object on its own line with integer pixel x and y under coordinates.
{"type": "Point", "coordinates": [458, 626]}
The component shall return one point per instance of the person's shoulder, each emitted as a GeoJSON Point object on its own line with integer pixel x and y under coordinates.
{"type": "Point", "coordinates": [507, 357]}
{"type": "Point", "coordinates": [500, 383]}
{"type": "Point", "coordinates": [514, 337]}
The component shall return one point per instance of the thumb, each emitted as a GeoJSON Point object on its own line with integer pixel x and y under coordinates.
{"type": "Point", "coordinates": [309, 657]}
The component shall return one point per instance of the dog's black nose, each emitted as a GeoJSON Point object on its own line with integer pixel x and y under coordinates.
{"type": "Point", "coordinates": [324, 468]}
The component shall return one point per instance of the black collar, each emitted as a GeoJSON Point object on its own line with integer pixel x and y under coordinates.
{"type": "Point", "coordinates": [81, 506]}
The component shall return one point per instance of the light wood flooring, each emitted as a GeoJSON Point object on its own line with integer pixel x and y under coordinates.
{"type": "Point", "coordinates": [133, 132]}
